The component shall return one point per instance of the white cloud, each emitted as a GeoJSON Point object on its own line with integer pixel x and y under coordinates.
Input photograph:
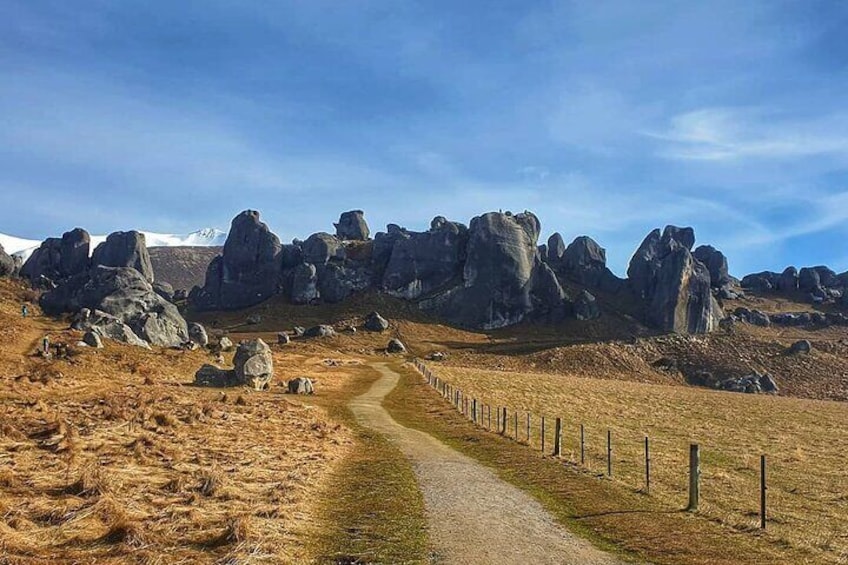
{"type": "Point", "coordinates": [726, 134]}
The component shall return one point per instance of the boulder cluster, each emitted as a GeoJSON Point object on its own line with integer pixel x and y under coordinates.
{"type": "Point", "coordinates": [253, 367]}
{"type": "Point", "coordinates": [489, 274]}
{"type": "Point", "coordinates": [817, 284]}
{"type": "Point", "coordinates": [111, 293]}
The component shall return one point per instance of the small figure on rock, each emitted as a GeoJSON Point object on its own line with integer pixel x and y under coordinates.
{"type": "Point", "coordinates": [45, 346]}
{"type": "Point", "coordinates": [24, 310]}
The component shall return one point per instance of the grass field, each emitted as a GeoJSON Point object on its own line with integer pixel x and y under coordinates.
{"type": "Point", "coordinates": [805, 442]}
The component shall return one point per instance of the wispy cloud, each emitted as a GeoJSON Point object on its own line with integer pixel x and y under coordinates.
{"type": "Point", "coordinates": [723, 134]}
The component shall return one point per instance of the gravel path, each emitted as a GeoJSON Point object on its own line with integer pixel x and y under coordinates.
{"type": "Point", "coordinates": [473, 516]}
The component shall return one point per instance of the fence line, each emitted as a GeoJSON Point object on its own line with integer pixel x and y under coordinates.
{"type": "Point", "coordinates": [462, 405]}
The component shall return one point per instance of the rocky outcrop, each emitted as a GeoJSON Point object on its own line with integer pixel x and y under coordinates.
{"type": "Point", "coordinates": [503, 279]}
{"type": "Point", "coordinates": [322, 330]}
{"type": "Point", "coordinates": [59, 258]}
{"type": "Point", "coordinates": [321, 248]}
{"type": "Point", "coordinates": [586, 307]}
{"type": "Point", "coordinates": [583, 262]}
{"type": "Point", "coordinates": [126, 295]}
{"type": "Point", "coordinates": [124, 249]}
{"type": "Point", "coordinates": [352, 226]}
{"type": "Point", "coordinates": [673, 285]}
{"type": "Point", "coordinates": [300, 385]}
{"type": "Point", "coordinates": [414, 264]}
{"type": "Point", "coordinates": [212, 376]}
{"type": "Point", "coordinates": [304, 285]}
{"type": "Point", "coordinates": [248, 270]}
{"type": "Point", "coordinates": [395, 346]}
{"type": "Point", "coordinates": [197, 334]}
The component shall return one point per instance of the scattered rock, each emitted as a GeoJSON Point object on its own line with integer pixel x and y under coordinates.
{"type": "Point", "coordinates": [437, 356]}
{"type": "Point", "coordinates": [254, 365]}
{"type": "Point", "coordinates": [225, 344]}
{"type": "Point", "coordinates": [320, 331]}
{"type": "Point", "coordinates": [197, 334]}
{"type": "Point", "coordinates": [800, 347]}
{"type": "Point", "coordinates": [212, 376]}
{"type": "Point", "coordinates": [92, 339]}
{"type": "Point", "coordinates": [299, 331]}
{"type": "Point", "coordinates": [283, 338]}
{"type": "Point", "coordinates": [300, 385]}
{"type": "Point", "coordinates": [395, 346]}
{"type": "Point", "coordinates": [374, 322]}
{"type": "Point", "coordinates": [254, 319]}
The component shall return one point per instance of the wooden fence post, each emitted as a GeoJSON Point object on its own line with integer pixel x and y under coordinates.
{"type": "Point", "coordinates": [528, 429]}
{"type": "Point", "coordinates": [763, 488]}
{"type": "Point", "coordinates": [582, 446]}
{"type": "Point", "coordinates": [609, 453]}
{"type": "Point", "coordinates": [489, 412]}
{"type": "Point", "coordinates": [694, 477]}
{"type": "Point", "coordinates": [497, 418]}
{"type": "Point", "coordinates": [647, 466]}
{"type": "Point", "coordinates": [557, 437]}
{"type": "Point", "coordinates": [515, 423]}
{"type": "Point", "coordinates": [543, 434]}
{"type": "Point", "coordinates": [503, 421]}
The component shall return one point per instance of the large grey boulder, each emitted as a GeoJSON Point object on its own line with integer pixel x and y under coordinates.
{"type": "Point", "coordinates": [304, 284]}
{"type": "Point", "coordinates": [8, 267]}
{"type": "Point", "coordinates": [716, 263]}
{"type": "Point", "coordinates": [414, 264]}
{"type": "Point", "coordinates": [503, 278]}
{"type": "Point", "coordinates": [800, 347]}
{"type": "Point", "coordinates": [248, 270]}
{"type": "Point", "coordinates": [320, 248]}
{"type": "Point", "coordinates": [374, 322]}
{"type": "Point", "coordinates": [555, 249]}
{"type": "Point", "coordinates": [254, 365]}
{"type": "Point", "coordinates": [673, 286]}
{"type": "Point", "coordinates": [584, 261]}
{"type": "Point", "coordinates": [763, 282]}
{"type": "Point", "coordinates": [124, 249]}
{"type": "Point", "coordinates": [125, 294]}
{"type": "Point", "coordinates": [788, 280]}
{"type": "Point", "coordinates": [92, 339]}
{"type": "Point", "coordinates": [58, 258]}
{"type": "Point", "coordinates": [107, 326]}
{"type": "Point", "coordinates": [352, 226]}
{"type": "Point", "coordinates": [164, 289]}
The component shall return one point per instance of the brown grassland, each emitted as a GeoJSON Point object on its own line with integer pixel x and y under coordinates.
{"type": "Point", "coordinates": [805, 442]}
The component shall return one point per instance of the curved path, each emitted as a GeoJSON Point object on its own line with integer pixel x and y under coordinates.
{"type": "Point", "coordinates": [473, 516]}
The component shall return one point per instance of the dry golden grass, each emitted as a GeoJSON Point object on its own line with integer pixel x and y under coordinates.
{"type": "Point", "coordinates": [114, 457]}
{"type": "Point", "coordinates": [805, 442]}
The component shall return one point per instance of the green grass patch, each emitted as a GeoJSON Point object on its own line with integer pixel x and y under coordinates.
{"type": "Point", "coordinates": [372, 510]}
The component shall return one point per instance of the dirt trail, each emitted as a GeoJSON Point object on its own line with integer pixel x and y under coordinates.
{"type": "Point", "coordinates": [473, 516]}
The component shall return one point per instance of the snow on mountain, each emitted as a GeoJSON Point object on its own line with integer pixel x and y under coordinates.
{"type": "Point", "coordinates": [207, 237]}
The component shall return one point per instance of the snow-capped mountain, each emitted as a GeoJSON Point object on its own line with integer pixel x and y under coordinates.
{"type": "Point", "coordinates": [207, 237]}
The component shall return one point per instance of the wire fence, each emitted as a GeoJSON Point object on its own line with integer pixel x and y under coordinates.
{"type": "Point", "coordinates": [521, 428]}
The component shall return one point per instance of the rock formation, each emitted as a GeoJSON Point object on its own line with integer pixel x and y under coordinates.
{"type": "Point", "coordinates": [124, 249]}
{"type": "Point", "coordinates": [248, 270]}
{"type": "Point", "coordinates": [59, 258]}
{"type": "Point", "coordinates": [716, 264]}
{"type": "Point", "coordinates": [253, 363]}
{"type": "Point", "coordinates": [673, 285]}
{"type": "Point", "coordinates": [352, 226]}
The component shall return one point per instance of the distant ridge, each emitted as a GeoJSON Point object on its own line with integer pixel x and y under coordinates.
{"type": "Point", "coordinates": [206, 237]}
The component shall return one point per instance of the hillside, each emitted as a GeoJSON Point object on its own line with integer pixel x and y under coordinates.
{"type": "Point", "coordinates": [183, 267]}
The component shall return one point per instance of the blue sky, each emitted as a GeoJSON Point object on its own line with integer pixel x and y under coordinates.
{"type": "Point", "coordinates": [604, 118]}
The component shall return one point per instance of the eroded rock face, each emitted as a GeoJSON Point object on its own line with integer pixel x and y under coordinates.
{"type": "Point", "coordinates": [125, 294]}
{"type": "Point", "coordinates": [197, 334]}
{"type": "Point", "coordinates": [124, 249]}
{"type": "Point", "coordinates": [352, 226]}
{"type": "Point", "coordinates": [247, 272]}
{"type": "Point", "coordinates": [421, 262]}
{"type": "Point", "coordinates": [59, 258]}
{"type": "Point", "coordinates": [300, 385]}
{"type": "Point", "coordinates": [674, 286]}
{"type": "Point", "coordinates": [503, 279]}
{"type": "Point", "coordinates": [304, 285]}
{"type": "Point", "coordinates": [254, 365]}
{"type": "Point", "coordinates": [320, 248]}
{"type": "Point", "coordinates": [586, 307]}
